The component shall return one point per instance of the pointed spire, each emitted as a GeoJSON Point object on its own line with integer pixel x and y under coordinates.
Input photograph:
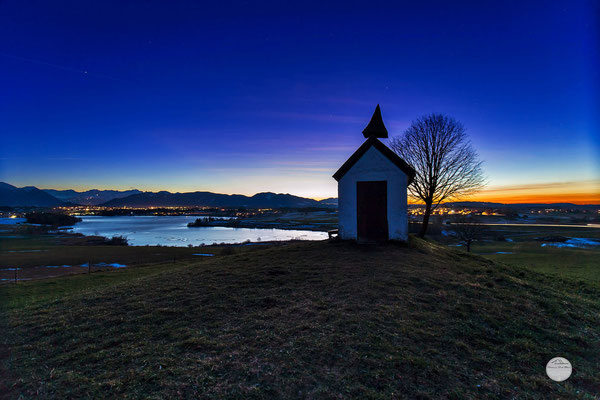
{"type": "Point", "coordinates": [376, 128]}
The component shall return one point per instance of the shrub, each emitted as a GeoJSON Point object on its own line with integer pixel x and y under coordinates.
{"type": "Point", "coordinates": [117, 241]}
{"type": "Point", "coordinates": [53, 219]}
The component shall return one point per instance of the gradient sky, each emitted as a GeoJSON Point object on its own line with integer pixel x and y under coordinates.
{"type": "Point", "coordinates": [244, 97]}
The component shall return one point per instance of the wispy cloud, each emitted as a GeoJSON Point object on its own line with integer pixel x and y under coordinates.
{"type": "Point", "coordinates": [83, 72]}
{"type": "Point", "coordinates": [68, 158]}
{"type": "Point", "coordinates": [48, 158]}
{"type": "Point", "coordinates": [332, 148]}
{"type": "Point", "coordinates": [335, 118]}
{"type": "Point", "coordinates": [344, 119]}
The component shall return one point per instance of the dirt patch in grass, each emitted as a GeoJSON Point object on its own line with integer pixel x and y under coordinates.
{"type": "Point", "coordinates": [310, 320]}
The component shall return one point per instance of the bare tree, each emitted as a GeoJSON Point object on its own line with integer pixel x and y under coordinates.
{"type": "Point", "coordinates": [467, 230]}
{"type": "Point", "coordinates": [447, 165]}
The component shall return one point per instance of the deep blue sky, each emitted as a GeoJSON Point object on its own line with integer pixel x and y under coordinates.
{"type": "Point", "coordinates": [251, 96]}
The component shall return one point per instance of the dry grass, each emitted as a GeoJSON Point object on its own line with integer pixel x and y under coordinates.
{"type": "Point", "coordinates": [310, 320]}
{"type": "Point", "coordinates": [32, 253]}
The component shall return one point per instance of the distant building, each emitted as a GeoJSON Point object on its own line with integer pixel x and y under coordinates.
{"type": "Point", "coordinates": [372, 189]}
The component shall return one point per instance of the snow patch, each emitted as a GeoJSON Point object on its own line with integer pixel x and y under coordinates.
{"type": "Point", "coordinates": [86, 265]}
{"type": "Point", "coordinates": [12, 279]}
{"type": "Point", "coordinates": [114, 265]}
{"type": "Point", "coordinates": [581, 243]}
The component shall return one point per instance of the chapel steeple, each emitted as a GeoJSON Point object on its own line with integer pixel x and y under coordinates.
{"type": "Point", "coordinates": [376, 128]}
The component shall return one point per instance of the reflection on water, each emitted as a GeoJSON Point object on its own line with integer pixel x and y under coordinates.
{"type": "Point", "coordinates": [173, 231]}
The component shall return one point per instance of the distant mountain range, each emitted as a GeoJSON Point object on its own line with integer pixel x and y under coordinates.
{"type": "Point", "coordinates": [30, 196]}
{"type": "Point", "coordinates": [331, 202]}
{"type": "Point", "coordinates": [208, 199]}
{"type": "Point", "coordinates": [11, 196]}
{"type": "Point", "coordinates": [90, 197]}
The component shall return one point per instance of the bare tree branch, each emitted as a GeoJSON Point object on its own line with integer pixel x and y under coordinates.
{"type": "Point", "coordinates": [447, 165]}
{"type": "Point", "coordinates": [467, 230]}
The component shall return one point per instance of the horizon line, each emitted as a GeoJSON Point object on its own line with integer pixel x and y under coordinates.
{"type": "Point", "coordinates": [576, 198]}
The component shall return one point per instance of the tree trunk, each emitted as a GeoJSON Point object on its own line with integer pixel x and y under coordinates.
{"type": "Point", "coordinates": [425, 219]}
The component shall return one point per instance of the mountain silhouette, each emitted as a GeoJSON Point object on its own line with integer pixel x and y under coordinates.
{"type": "Point", "coordinates": [209, 199]}
{"type": "Point", "coordinates": [89, 197]}
{"type": "Point", "coordinates": [28, 196]}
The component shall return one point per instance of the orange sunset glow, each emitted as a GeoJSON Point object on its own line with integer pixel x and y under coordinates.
{"type": "Point", "coordinates": [576, 192]}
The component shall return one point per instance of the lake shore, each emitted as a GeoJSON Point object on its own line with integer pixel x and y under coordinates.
{"type": "Point", "coordinates": [257, 224]}
{"type": "Point", "coordinates": [32, 253]}
{"type": "Point", "coordinates": [174, 231]}
{"type": "Point", "coordinates": [318, 221]}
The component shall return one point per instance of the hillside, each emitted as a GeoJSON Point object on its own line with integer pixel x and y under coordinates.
{"type": "Point", "coordinates": [89, 197]}
{"type": "Point", "coordinates": [28, 196]}
{"type": "Point", "coordinates": [307, 320]}
{"type": "Point", "coordinates": [167, 199]}
{"type": "Point", "coordinates": [331, 202]}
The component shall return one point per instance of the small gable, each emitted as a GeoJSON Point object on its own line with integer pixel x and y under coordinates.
{"type": "Point", "coordinates": [383, 149]}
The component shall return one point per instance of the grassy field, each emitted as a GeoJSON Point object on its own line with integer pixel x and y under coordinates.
{"type": "Point", "coordinates": [33, 253]}
{"type": "Point", "coordinates": [524, 250]}
{"type": "Point", "coordinates": [577, 264]}
{"type": "Point", "coordinates": [308, 320]}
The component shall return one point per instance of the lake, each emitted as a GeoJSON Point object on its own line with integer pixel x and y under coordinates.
{"type": "Point", "coordinates": [173, 231]}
